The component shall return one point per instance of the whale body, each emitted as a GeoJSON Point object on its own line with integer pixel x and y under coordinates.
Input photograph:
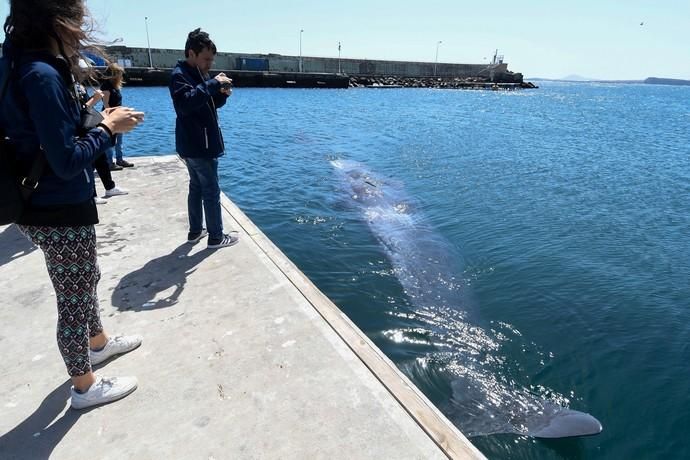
{"type": "Point", "coordinates": [430, 270]}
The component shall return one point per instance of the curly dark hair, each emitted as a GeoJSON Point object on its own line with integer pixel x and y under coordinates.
{"type": "Point", "coordinates": [197, 40]}
{"type": "Point", "coordinates": [33, 24]}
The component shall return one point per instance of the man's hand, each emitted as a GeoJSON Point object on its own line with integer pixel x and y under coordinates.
{"type": "Point", "coordinates": [223, 79]}
{"type": "Point", "coordinates": [225, 83]}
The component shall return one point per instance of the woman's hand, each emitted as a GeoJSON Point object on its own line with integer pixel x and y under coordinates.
{"type": "Point", "coordinates": [122, 119]}
{"type": "Point", "coordinates": [106, 98]}
{"type": "Point", "coordinates": [97, 96]}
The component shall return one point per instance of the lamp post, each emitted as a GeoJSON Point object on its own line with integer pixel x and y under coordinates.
{"type": "Point", "coordinates": [438, 43]}
{"type": "Point", "coordinates": [339, 67]}
{"type": "Point", "coordinates": [300, 50]}
{"type": "Point", "coordinates": [148, 41]}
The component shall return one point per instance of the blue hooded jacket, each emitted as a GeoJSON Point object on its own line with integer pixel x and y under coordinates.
{"type": "Point", "coordinates": [41, 111]}
{"type": "Point", "coordinates": [197, 134]}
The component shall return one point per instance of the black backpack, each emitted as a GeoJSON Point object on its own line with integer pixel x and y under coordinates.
{"type": "Point", "coordinates": [15, 188]}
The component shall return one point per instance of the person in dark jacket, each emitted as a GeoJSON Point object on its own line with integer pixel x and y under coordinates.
{"type": "Point", "coordinates": [40, 116]}
{"type": "Point", "coordinates": [198, 138]}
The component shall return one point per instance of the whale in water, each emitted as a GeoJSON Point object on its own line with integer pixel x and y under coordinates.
{"type": "Point", "coordinates": [430, 270]}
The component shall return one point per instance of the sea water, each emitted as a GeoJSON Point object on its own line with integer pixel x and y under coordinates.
{"type": "Point", "coordinates": [560, 216]}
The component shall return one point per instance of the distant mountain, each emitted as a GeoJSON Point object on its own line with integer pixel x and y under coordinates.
{"type": "Point", "coordinates": [648, 81]}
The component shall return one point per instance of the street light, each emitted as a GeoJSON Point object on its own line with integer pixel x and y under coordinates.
{"type": "Point", "coordinates": [148, 41]}
{"type": "Point", "coordinates": [300, 50]}
{"type": "Point", "coordinates": [436, 60]}
{"type": "Point", "coordinates": [339, 68]}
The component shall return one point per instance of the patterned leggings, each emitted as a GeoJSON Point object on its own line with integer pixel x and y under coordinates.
{"type": "Point", "coordinates": [70, 254]}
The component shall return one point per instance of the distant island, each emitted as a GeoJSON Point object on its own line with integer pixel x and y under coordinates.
{"type": "Point", "coordinates": [666, 81]}
{"type": "Point", "coordinates": [647, 81]}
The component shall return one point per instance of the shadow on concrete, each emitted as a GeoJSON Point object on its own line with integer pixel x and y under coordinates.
{"type": "Point", "coordinates": [140, 289]}
{"type": "Point", "coordinates": [13, 245]}
{"type": "Point", "coordinates": [38, 435]}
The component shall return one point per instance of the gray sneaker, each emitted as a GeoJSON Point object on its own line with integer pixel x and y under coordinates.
{"type": "Point", "coordinates": [105, 390]}
{"type": "Point", "coordinates": [223, 242]}
{"type": "Point", "coordinates": [118, 345]}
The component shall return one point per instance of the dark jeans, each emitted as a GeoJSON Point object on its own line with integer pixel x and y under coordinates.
{"type": "Point", "coordinates": [204, 190]}
{"type": "Point", "coordinates": [103, 170]}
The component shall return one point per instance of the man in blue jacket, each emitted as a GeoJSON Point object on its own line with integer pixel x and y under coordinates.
{"type": "Point", "coordinates": [198, 138]}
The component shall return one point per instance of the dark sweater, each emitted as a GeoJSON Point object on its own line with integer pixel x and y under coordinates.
{"type": "Point", "coordinates": [41, 112]}
{"type": "Point", "coordinates": [196, 99]}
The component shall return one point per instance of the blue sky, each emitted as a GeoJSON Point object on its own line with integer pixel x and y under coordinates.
{"type": "Point", "coordinates": [598, 39]}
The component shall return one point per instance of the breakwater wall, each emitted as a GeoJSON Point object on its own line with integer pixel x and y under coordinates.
{"type": "Point", "coordinates": [145, 76]}
{"type": "Point", "coordinates": [167, 58]}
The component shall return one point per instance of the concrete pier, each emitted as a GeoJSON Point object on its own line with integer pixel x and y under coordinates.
{"type": "Point", "coordinates": [243, 357]}
{"type": "Point", "coordinates": [167, 58]}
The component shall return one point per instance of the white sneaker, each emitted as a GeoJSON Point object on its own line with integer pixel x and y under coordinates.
{"type": "Point", "coordinates": [105, 390]}
{"type": "Point", "coordinates": [99, 200]}
{"type": "Point", "coordinates": [117, 345]}
{"type": "Point", "coordinates": [115, 191]}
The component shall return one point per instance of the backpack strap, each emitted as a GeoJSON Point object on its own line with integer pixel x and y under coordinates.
{"type": "Point", "coordinates": [30, 183]}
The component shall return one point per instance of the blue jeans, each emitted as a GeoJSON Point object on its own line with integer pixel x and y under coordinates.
{"type": "Point", "coordinates": [116, 150]}
{"type": "Point", "coordinates": [204, 189]}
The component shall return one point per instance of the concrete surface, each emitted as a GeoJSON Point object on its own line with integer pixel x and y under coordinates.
{"type": "Point", "coordinates": [243, 358]}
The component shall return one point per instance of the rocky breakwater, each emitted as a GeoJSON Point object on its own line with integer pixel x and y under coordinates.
{"type": "Point", "coordinates": [509, 81]}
